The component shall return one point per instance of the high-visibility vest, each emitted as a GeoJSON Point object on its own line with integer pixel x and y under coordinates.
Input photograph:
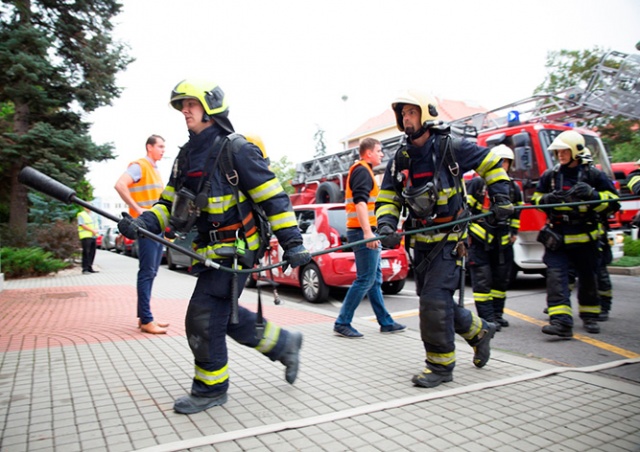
{"type": "Point", "coordinates": [147, 190]}
{"type": "Point", "coordinates": [352, 217]}
{"type": "Point", "coordinates": [88, 221]}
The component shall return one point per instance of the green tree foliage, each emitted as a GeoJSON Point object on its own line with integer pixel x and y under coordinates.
{"type": "Point", "coordinates": [574, 68]}
{"type": "Point", "coordinates": [321, 147]}
{"type": "Point", "coordinates": [285, 171]}
{"type": "Point", "coordinates": [58, 62]}
{"type": "Point", "coordinates": [627, 152]}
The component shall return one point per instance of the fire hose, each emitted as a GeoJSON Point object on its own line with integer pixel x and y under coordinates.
{"type": "Point", "coordinates": [51, 187]}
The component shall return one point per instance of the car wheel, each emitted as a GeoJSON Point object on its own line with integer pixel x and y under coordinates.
{"type": "Point", "coordinates": [328, 192]}
{"type": "Point", "coordinates": [170, 263]}
{"type": "Point", "coordinates": [393, 287]}
{"type": "Point", "coordinates": [134, 249]}
{"type": "Point", "coordinates": [313, 287]}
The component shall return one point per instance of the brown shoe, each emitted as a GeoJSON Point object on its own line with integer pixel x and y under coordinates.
{"type": "Point", "coordinates": [160, 324]}
{"type": "Point", "coordinates": [152, 328]}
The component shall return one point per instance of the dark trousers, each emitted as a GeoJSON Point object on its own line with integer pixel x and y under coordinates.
{"type": "Point", "coordinates": [88, 253]}
{"type": "Point", "coordinates": [584, 260]}
{"type": "Point", "coordinates": [207, 325]}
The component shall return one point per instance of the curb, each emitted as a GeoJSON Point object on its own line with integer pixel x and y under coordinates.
{"type": "Point", "coordinates": [630, 271]}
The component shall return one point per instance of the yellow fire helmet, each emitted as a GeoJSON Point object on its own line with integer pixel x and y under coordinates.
{"type": "Point", "coordinates": [569, 139]}
{"type": "Point", "coordinates": [211, 97]}
{"type": "Point", "coordinates": [503, 151]}
{"type": "Point", "coordinates": [257, 140]}
{"type": "Point", "coordinates": [427, 104]}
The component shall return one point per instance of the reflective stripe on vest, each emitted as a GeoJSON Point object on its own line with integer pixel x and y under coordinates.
{"type": "Point", "coordinates": [148, 189]}
{"type": "Point", "coordinates": [352, 217]}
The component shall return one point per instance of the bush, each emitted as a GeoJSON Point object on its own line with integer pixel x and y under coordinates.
{"type": "Point", "coordinates": [26, 262]}
{"type": "Point", "coordinates": [631, 247]}
{"type": "Point", "coordinates": [60, 239]}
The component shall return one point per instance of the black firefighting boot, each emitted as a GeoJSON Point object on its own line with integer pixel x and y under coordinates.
{"type": "Point", "coordinates": [603, 316]}
{"type": "Point", "coordinates": [591, 326]}
{"type": "Point", "coordinates": [429, 379]}
{"type": "Point", "coordinates": [480, 344]}
{"type": "Point", "coordinates": [501, 321]}
{"type": "Point", "coordinates": [555, 328]}
{"type": "Point", "coordinates": [191, 404]}
{"type": "Point", "coordinates": [291, 356]}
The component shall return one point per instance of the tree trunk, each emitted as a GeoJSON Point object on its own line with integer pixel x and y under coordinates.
{"type": "Point", "coordinates": [19, 206]}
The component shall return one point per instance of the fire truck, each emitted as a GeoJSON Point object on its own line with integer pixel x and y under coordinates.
{"type": "Point", "coordinates": [527, 126]}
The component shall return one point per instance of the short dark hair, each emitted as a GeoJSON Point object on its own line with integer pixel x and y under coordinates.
{"type": "Point", "coordinates": [367, 144]}
{"type": "Point", "coordinates": [153, 139]}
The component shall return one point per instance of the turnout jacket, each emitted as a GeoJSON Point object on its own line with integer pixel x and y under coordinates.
{"type": "Point", "coordinates": [495, 235]}
{"type": "Point", "coordinates": [421, 166]}
{"type": "Point", "coordinates": [634, 182]}
{"type": "Point", "coordinates": [581, 223]}
{"type": "Point", "coordinates": [198, 159]}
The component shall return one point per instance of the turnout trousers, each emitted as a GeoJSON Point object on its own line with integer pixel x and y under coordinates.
{"type": "Point", "coordinates": [207, 325]}
{"type": "Point", "coordinates": [440, 316]}
{"type": "Point", "coordinates": [583, 259]}
{"type": "Point", "coordinates": [490, 267]}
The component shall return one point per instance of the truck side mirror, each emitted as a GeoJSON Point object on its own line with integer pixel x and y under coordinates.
{"type": "Point", "coordinates": [522, 158]}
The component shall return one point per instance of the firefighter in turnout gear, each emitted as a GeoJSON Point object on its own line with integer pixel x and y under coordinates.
{"type": "Point", "coordinates": [572, 234]}
{"type": "Point", "coordinates": [491, 246]}
{"type": "Point", "coordinates": [199, 194]}
{"type": "Point", "coordinates": [633, 182]}
{"type": "Point", "coordinates": [433, 194]}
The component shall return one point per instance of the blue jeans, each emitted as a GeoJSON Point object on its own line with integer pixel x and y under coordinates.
{"type": "Point", "coordinates": [149, 258]}
{"type": "Point", "coordinates": [368, 282]}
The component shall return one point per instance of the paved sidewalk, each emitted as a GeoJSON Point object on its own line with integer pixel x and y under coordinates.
{"type": "Point", "coordinates": [77, 375]}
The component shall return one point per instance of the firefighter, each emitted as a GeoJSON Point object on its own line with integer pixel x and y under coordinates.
{"type": "Point", "coordinates": [491, 246]}
{"type": "Point", "coordinates": [433, 194]}
{"type": "Point", "coordinates": [199, 193]}
{"type": "Point", "coordinates": [572, 234]}
{"type": "Point", "coordinates": [633, 182]}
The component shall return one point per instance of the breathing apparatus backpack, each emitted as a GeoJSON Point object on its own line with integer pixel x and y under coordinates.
{"type": "Point", "coordinates": [231, 146]}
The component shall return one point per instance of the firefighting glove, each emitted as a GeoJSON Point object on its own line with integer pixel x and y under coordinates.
{"type": "Point", "coordinates": [297, 256]}
{"type": "Point", "coordinates": [130, 226]}
{"type": "Point", "coordinates": [582, 192]}
{"type": "Point", "coordinates": [390, 237]}
{"type": "Point", "coordinates": [550, 198]}
{"type": "Point", "coordinates": [502, 209]}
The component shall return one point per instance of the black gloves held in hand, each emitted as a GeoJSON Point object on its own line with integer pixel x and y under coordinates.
{"type": "Point", "coordinates": [297, 256]}
{"type": "Point", "coordinates": [550, 198]}
{"type": "Point", "coordinates": [502, 208]}
{"type": "Point", "coordinates": [389, 236]}
{"type": "Point", "coordinates": [582, 192]}
{"type": "Point", "coordinates": [130, 226]}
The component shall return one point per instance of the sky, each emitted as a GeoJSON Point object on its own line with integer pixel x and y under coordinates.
{"type": "Point", "coordinates": [286, 66]}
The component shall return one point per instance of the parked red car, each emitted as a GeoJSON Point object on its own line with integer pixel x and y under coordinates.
{"type": "Point", "coordinates": [324, 226]}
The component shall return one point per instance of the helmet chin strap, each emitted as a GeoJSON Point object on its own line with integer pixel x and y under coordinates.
{"type": "Point", "coordinates": [418, 134]}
